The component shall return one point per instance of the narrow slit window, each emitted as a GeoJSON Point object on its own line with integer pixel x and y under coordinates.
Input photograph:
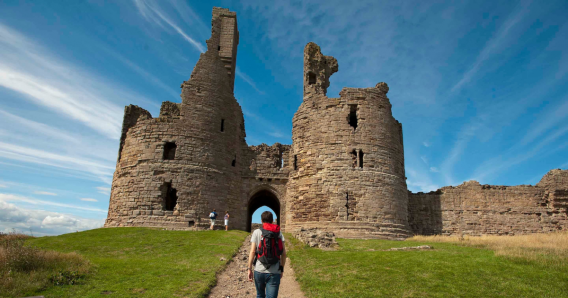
{"type": "Point", "coordinates": [222, 125]}
{"type": "Point", "coordinates": [218, 48]}
{"type": "Point", "coordinates": [361, 158]}
{"type": "Point", "coordinates": [281, 163]}
{"type": "Point", "coordinates": [311, 78]}
{"type": "Point", "coordinates": [234, 162]}
{"type": "Point", "coordinates": [352, 119]}
{"type": "Point", "coordinates": [295, 162]}
{"type": "Point", "coordinates": [354, 158]}
{"type": "Point", "coordinates": [169, 151]}
{"type": "Point", "coordinates": [170, 200]}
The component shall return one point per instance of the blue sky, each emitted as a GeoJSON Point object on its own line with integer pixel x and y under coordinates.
{"type": "Point", "coordinates": [480, 87]}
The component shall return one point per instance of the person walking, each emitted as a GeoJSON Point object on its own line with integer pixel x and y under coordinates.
{"type": "Point", "coordinates": [226, 220]}
{"type": "Point", "coordinates": [212, 217]}
{"type": "Point", "coordinates": [267, 257]}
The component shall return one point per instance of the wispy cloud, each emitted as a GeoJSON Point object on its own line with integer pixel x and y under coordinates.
{"type": "Point", "coordinates": [434, 170]}
{"type": "Point", "coordinates": [272, 130]}
{"type": "Point", "coordinates": [419, 182]}
{"type": "Point", "coordinates": [142, 72]}
{"type": "Point", "coordinates": [39, 128]}
{"type": "Point", "coordinates": [45, 193]}
{"type": "Point", "coordinates": [555, 116]}
{"type": "Point", "coordinates": [151, 12]}
{"type": "Point", "coordinates": [104, 190]}
{"type": "Point", "coordinates": [27, 68]}
{"type": "Point", "coordinates": [89, 200]}
{"type": "Point", "coordinates": [463, 138]}
{"type": "Point", "coordinates": [494, 44]}
{"type": "Point", "coordinates": [247, 80]}
{"type": "Point", "coordinates": [16, 198]}
{"type": "Point", "coordinates": [31, 155]}
{"type": "Point", "coordinates": [3, 186]}
{"type": "Point", "coordinates": [426, 144]}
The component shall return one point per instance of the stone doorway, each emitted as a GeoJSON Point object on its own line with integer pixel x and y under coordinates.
{"type": "Point", "coordinates": [263, 198]}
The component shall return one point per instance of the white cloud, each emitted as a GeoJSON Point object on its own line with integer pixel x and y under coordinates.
{"type": "Point", "coordinates": [41, 222]}
{"type": "Point", "coordinates": [88, 200]}
{"type": "Point", "coordinates": [493, 45]}
{"type": "Point", "coordinates": [419, 182]}
{"type": "Point", "coordinates": [3, 186]}
{"type": "Point", "coordinates": [39, 128]}
{"type": "Point", "coordinates": [247, 80]}
{"type": "Point", "coordinates": [434, 170]}
{"type": "Point", "coordinates": [153, 14]}
{"type": "Point", "coordinates": [421, 186]}
{"type": "Point", "coordinates": [104, 190]}
{"type": "Point", "coordinates": [554, 117]}
{"type": "Point", "coordinates": [27, 68]}
{"type": "Point", "coordinates": [424, 159]}
{"type": "Point", "coordinates": [15, 152]}
{"type": "Point", "coordinates": [16, 198]}
{"type": "Point", "coordinates": [45, 193]}
{"type": "Point", "coordinates": [426, 144]}
{"type": "Point", "coordinates": [273, 130]}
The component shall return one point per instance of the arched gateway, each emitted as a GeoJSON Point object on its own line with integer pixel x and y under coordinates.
{"type": "Point", "coordinates": [263, 197]}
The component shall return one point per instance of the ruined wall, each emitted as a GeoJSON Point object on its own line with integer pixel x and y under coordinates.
{"type": "Point", "coordinates": [207, 131]}
{"type": "Point", "coordinates": [474, 209]}
{"type": "Point", "coordinates": [265, 179]}
{"type": "Point", "coordinates": [349, 160]}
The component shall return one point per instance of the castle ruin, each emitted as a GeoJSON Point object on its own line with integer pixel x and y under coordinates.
{"type": "Point", "coordinates": [344, 171]}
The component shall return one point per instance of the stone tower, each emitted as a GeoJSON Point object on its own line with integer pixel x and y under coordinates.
{"type": "Point", "coordinates": [344, 171]}
{"type": "Point", "coordinates": [348, 174]}
{"type": "Point", "coordinates": [174, 169]}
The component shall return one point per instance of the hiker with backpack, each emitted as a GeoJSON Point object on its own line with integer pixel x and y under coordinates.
{"type": "Point", "coordinates": [212, 217]}
{"type": "Point", "coordinates": [267, 257]}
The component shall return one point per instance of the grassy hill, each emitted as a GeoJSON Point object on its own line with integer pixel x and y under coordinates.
{"type": "Point", "coordinates": [362, 268]}
{"type": "Point", "coordinates": [142, 262]}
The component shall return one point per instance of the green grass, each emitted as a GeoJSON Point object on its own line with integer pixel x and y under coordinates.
{"type": "Point", "coordinates": [142, 262]}
{"type": "Point", "coordinates": [448, 270]}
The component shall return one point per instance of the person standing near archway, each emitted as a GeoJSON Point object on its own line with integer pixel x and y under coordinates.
{"type": "Point", "coordinates": [213, 217]}
{"type": "Point", "coordinates": [226, 220]}
{"type": "Point", "coordinates": [267, 255]}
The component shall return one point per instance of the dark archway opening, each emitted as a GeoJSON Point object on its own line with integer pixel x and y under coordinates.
{"type": "Point", "coordinates": [170, 196]}
{"type": "Point", "coordinates": [259, 199]}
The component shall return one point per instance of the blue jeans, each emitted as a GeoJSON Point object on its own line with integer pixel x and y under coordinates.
{"type": "Point", "coordinates": [266, 284]}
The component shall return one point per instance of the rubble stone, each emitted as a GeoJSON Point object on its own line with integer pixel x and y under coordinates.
{"type": "Point", "coordinates": [316, 238]}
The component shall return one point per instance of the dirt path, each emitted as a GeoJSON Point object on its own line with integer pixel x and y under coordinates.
{"type": "Point", "coordinates": [233, 282]}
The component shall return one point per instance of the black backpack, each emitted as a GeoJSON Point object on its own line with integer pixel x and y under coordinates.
{"type": "Point", "coordinates": [269, 249]}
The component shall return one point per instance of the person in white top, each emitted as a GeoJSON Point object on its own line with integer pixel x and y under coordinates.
{"type": "Point", "coordinates": [226, 220]}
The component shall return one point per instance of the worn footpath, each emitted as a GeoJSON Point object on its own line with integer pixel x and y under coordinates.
{"type": "Point", "coordinates": [233, 281]}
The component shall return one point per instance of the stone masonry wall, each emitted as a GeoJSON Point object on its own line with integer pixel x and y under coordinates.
{"type": "Point", "coordinates": [474, 209]}
{"type": "Point", "coordinates": [344, 172]}
{"type": "Point", "coordinates": [207, 129]}
{"type": "Point", "coordinates": [348, 178]}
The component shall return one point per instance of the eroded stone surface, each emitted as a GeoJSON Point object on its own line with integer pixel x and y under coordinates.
{"type": "Point", "coordinates": [475, 209]}
{"type": "Point", "coordinates": [316, 238]}
{"type": "Point", "coordinates": [344, 172]}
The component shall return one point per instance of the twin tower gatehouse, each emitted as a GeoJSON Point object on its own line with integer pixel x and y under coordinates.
{"type": "Point", "coordinates": [344, 171]}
